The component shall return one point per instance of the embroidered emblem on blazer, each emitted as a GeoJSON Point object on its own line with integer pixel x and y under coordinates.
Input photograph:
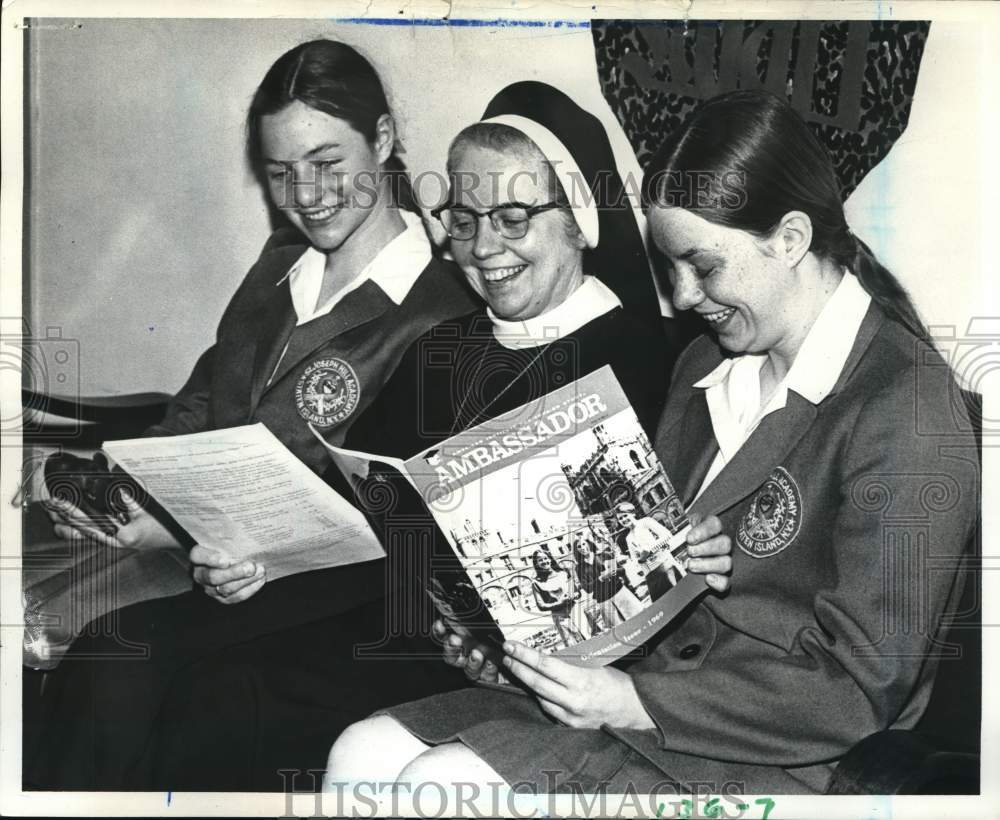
{"type": "Point", "coordinates": [327, 392]}
{"type": "Point", "coordinates": [774, 517]}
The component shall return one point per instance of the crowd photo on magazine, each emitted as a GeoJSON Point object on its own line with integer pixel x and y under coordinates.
{"type": "Point", "coordinates": [570, 474]}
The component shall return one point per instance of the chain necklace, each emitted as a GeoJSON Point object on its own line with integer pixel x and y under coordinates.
{"type": "Point", "coordinates": [498, 396]}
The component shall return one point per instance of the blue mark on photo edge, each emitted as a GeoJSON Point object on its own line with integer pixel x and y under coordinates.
{"type": "Point", "coordinates": [444, 21]}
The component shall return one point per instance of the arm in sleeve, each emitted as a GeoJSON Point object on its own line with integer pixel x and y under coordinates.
{"type": "Point", "coordinates": [857, 659]}
{"type": "Point", "coordinates": [189, 411]}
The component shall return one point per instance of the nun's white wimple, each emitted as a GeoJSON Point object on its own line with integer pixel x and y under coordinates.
{"type": "Point", "coordinates": [567, 171]}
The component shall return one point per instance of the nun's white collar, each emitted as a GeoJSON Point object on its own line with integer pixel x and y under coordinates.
{"type": "Point", "coordinates": [591, 299]}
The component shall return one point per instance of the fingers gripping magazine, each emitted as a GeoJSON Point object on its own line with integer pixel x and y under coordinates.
{"type": "Point", "coordinates": [566, 533]}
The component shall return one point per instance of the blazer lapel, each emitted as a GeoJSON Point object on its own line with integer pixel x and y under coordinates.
{"type": "Point", "coordinates": [687, 443]}
{"type": "Point", "coordinates": [362, 305]}
{"type": "Point", "coordinates": [277, 322]}
{"type": "Point", "coordinates": [696, 447]}
{"type": "Point", "coordinates": [767, 447]}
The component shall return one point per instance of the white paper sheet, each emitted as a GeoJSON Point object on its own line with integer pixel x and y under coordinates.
{"type": "Point", "coordinates": [356, 464]}
{"type": "Point", "coordinates": [243, 491]}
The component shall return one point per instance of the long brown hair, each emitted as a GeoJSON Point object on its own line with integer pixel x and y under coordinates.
{"type": "Point", "coordinates": [744, 160]}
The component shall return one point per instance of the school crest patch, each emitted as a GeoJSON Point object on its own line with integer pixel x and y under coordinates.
{"type": "Point", "coordinates": [774, 517]}
{"type": "Point", "coordinates": [327, 392]}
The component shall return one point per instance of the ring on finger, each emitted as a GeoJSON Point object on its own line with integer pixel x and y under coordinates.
{"type": "Point", "coordinates": [219, 592]}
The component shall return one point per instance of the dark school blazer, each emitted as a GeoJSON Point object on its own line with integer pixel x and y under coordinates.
{"type": "Point", "coordinates": [366, 331]}
{"type": "Point", "coordinates": [847, 520]}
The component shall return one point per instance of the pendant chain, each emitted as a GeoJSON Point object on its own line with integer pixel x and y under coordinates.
{"type": "Point", "coordinates": [497, 397]}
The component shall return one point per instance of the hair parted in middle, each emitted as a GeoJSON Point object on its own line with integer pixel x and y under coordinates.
{"type": "Point", "coordinates": [336, 79]}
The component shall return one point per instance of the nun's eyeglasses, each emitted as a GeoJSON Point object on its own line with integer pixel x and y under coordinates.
{"type": "Point", "coordinates": [510, 220]}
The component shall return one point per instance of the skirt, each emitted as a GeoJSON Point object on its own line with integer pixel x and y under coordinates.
{"type": "Point", "coordinates": [530, 750]}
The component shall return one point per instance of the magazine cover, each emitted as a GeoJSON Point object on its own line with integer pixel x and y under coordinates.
{"type": "Point", "coordinates": [566, 531]}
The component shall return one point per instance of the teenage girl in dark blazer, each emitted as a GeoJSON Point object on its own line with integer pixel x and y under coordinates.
{"type": "Point", "coordinates": [338, 299]}
{"type": "Point", "coordinates": [818, 423]}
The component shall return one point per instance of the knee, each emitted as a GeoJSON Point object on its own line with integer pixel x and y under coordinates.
{"type": "Point", "coordinates": [447, 766]}
{"type": "Point", "coordinates": [351, 756]}
{"type": "Point", "coordinates": [355, 738]}
{"type": "Point", "coordinates": [377, 748]}
{"type": "Point", "coordinates": [430, 767]}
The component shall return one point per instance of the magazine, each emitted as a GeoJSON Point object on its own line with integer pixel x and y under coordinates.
{"type": "Point", "coordinates": [565, 532]}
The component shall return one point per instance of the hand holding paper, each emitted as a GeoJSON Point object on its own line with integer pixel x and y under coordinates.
{"type": "Point", "coordinates": [243, 496]}
{"type": "Point", "coordinates": [224, 579]}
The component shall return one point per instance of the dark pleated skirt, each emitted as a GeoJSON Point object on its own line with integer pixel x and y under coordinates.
{"type": "Point", "coordinates": [526, 747]}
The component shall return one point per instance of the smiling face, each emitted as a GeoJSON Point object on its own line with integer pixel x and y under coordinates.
{"type": "Point", "coordinates": [320, 172]}
{"type": "Point", "coordinates": [519, 278]}
{"type": "Point", "coordinates": [727, 276]}
{"type": "Point", "coordinates": [542, 562]}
